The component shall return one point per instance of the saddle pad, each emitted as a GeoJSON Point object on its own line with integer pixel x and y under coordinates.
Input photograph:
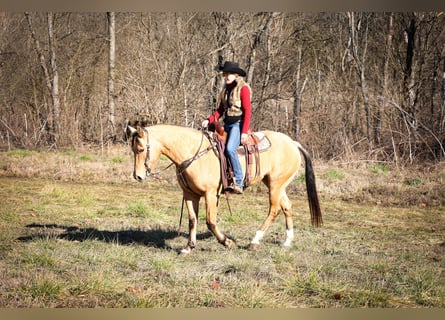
{"type": "Point", "coordinates": [263, 143]}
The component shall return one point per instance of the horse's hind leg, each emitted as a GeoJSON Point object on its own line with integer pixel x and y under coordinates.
{"type": "Point", "coordinates": [278, 201]}
{"type": "Point", "coordinates": [274, 211]}
{"type": "Point", "coordinates": [286, 206]}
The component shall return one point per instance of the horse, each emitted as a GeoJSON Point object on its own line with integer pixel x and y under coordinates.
{"type": "Point", "coordinates": [199, 175]}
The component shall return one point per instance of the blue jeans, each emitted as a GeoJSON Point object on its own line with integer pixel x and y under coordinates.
{"type": "Point", "coordinates": [233, 141]}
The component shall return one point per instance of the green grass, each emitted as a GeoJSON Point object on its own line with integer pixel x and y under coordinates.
{"type": "Point", "coordinates": [70, 152]}
{"type": "Point", "coordinates": [21, 153]}
{"type": "Point", "coordinates": [118, 159]}
{"type": "Point", "coordinates": [138, 209]}
{"type": "Point", "coordinates": [379, 168]}
{"type": "Point", "coordinates": [334, 174]}
{"type": "Point", "coordinates": [414, 182]}
{"type": "Point", "coordinates": [86, 157]}
{"type": "Point", "coordinates": [72, 243]}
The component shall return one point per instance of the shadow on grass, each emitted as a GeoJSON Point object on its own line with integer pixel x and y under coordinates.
{"type": "Point", "coordinates": [155, 237]}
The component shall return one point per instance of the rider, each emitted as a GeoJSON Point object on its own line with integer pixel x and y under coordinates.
{"type": "Point", "coordinates": [234, 109]}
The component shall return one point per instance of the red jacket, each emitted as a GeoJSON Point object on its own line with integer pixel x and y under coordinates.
{"type": "Point", "coordinates": [245, 105]}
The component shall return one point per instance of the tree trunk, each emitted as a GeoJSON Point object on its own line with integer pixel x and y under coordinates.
{"type": "Point", "coordinates": [442, 101]}
{"type": "Point", "coordinates": [42, 62]}
{"type": "Point", "coordinates": [360, 63]}
{"type": "Point", "coordinates": [378, 118]}
{"type": "Point", "coordinates": [55, 79]}
{"type": "Point", "coordinates": [111, 64]}
{"type": "Point", "coordinates": [52, 80]}
{"type": "Point", "coordinates": [409, 82]}
{"type": "Point", "coordinates": [297, 93]}
{"type": "Point", "coordinates": [261, 30]}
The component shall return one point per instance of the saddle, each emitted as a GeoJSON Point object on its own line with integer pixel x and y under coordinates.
{"type": "Point", "coordinates": [256, 143]}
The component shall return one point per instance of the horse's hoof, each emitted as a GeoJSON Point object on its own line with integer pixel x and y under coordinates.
{"type": "Point", "coordinates": [185, 251]}
{"type": "Point", "coordinates": [286, 245]}
{"type": "Point", "coordinates": [253, 246]}
{"type": "Point", "coordinates": [229, 243]}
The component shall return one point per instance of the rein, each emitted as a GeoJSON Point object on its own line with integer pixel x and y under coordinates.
{"type": "Point", "coordinates": [183, 166]}
{"type": "Point", "coordinates": [155, 174]}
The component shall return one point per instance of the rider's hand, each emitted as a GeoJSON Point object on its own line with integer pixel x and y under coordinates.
{"type": "Point", "coordinates": [205, 123]}
{"type": "Point", "coordinates": [244, 138]}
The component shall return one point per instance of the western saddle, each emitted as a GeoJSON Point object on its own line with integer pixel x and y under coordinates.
{"type": "Point", "coordinates": [250, 150]}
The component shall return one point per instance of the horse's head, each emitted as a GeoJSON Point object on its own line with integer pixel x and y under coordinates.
{"type": "Point", "coordinates": [140, 145]}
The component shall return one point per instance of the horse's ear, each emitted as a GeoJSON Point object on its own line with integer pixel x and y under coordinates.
{"type": "Point", "coordinates": [130, 131]}
{"type": "Point", "coordinates": [144, 122]}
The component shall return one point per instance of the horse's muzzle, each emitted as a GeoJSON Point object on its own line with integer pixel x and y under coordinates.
{"type": "Point", "coordinates": [139, 177]}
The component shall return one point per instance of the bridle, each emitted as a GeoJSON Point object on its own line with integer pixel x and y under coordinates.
{"type": "Point", "coordinates": [147, 147]}
{"type": "Point", "coordinates": [147, 156]}
{"type": "Point", "coordinates": [182, 166]}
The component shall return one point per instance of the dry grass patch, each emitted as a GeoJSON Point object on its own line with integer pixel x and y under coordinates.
{"type": "Point", "coordinates": [107, 241]}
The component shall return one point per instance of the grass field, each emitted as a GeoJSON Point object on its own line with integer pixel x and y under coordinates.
{"type": "Point", "coordinates": [77, 231]}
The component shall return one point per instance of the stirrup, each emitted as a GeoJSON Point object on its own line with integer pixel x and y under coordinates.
{"type": "Point", "coordinates": [237, 189]}
{"type": "Point", "coordinates": [234, 188]}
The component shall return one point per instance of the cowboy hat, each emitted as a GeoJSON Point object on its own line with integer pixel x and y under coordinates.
{"type": "Point", "coordinates": [232, 67]}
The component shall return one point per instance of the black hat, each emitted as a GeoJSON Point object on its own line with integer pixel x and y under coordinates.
{"type": "Point", "coordinates": [233, 67]}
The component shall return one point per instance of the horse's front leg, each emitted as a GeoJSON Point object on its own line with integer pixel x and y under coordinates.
{"type": "Point", "coordinates": [211, 213]}
{"type": "Point", "coordinates": [192, 205]}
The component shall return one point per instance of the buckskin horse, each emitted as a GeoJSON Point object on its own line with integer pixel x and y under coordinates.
{"type": "Point", "coordinates": [199, 175]}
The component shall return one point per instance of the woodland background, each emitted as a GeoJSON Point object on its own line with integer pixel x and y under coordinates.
{"type": "Point", "coordinates": [349, 85]}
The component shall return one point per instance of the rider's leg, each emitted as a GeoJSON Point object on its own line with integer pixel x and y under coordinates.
{"type": "Point", "coordinates": [233, 141]}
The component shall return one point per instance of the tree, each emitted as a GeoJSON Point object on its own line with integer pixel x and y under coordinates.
{"type": "Point", "coordinates": [357, 47]}
{"type": "Point", "coordinates": [384, 88]}
{"type": "Point", "coordinates": [111, 76]}
{"type": "Point", "coordinates": [365, 85]}
{"type": "Point", "coordinates": [52, 79]}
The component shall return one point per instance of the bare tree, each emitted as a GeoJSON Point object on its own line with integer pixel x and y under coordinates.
{"type": "Point", "coordinates": [442, 98]}
{"type": "Point", "coordinates": [384, 89]}
{"type": "Point", "coordinates": [359, 84]}
{"type": "Point", "coordinates": [262, 29]}
{"type": "Point", "coordinates": [55, 79]}
{"type": "Point", "coordinates": [297, 94]}
{"type": "Point", "coordinates": [111, 76]}
{"type": "Point", "coordinates": [357, 47]}
{"type": "Point", "coordinates": [52, 79]}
